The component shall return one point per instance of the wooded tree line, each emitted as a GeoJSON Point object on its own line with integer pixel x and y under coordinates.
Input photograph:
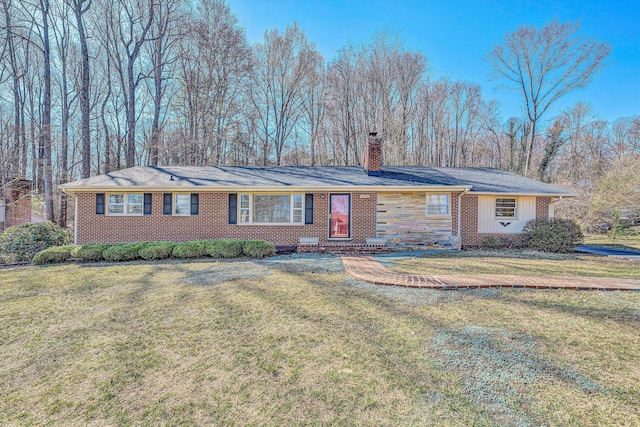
{"type": "Point", "coordinates": [92, 86]}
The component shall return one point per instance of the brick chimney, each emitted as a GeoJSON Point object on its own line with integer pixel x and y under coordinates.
{"type": "Point", "coordinates": [17, 202]}
{"type": "Point", "coordinates": [372, 158]}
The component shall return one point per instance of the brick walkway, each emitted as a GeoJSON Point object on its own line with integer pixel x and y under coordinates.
{"type": "Point", "coordinates": [369, 270]}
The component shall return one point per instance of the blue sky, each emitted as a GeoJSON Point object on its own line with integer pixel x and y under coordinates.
{"type": "Point", "coordinates": [455, 35]}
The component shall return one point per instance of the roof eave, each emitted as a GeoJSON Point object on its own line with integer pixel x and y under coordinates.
{"type": "Point", "coordinates": [72, 190]}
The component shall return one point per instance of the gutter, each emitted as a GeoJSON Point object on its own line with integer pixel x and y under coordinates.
{"type": "Point", "coordinates": [239, 189]}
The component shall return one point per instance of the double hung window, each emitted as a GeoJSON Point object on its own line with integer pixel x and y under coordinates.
{"type": "Point", "coordinates": [125, 204]}
{"type": "Point", "coordinates": [438, 204]}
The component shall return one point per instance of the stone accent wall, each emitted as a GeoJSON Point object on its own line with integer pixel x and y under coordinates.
{"type": "Point", "coordinates": [212, 222]}
{"type": "Point", "coordinates": [402, 221]}
{"type": "Point", "coordinates": [17, 203]}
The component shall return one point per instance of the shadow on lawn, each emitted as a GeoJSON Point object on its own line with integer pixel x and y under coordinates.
{"type": "Point", "coordinates": [627, 315]}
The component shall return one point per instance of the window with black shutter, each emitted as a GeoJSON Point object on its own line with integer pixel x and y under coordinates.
{"type": "Point", "coordinates": [233, 208]}
{"type": "Point", "coordinates": [166, 204]}
{"type": "Point", "coordinates": [147, 203]}
{"type": "Point", "coordinates": [195, 203]}
{"type": "Point", "coordinates": [100, 204]}
{"type": "Point", "coordinates": [308, 208]}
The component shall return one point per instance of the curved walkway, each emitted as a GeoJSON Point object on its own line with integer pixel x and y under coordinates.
{"type": "Point", "coordinates": [369, 270]}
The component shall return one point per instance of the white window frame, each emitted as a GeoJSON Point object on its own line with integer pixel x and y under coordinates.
{"type": "Point", "coordinates": [125, 204]}
{"type": "Point", "coordinates": [249, 210]}
{"type": "Point", "coordinates": [438, 215]}
{"type": "Point", "coordinates": [174, 204]}
{"type": "Point", "coordinates": [515, 208]}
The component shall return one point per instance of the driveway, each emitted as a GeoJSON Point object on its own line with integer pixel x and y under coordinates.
{"type": "Point", "coordinates": [619, 253]}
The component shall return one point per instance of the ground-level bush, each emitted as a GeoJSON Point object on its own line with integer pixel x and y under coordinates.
{"type": "Point", "coordinates": [91, 251]}
{"type": "Point", "coordinates": [123, 251]}
{"type": "Point", "coordinates": [157, 250]}
{"type": "Point", "coordinates": [555, 235]}
{"type": "Point", "coordinates": [54, 254]}
{"type": "Point", "coordinates": [258, 248]}
{"type": "Point", "coordinates": [189, 250]}
{"type": "Point", "coordinates": [224, 248]}
{"type": "Point", "coordinates": [501, 242]}
{"type": "Point", "coordinates": [22, 242]}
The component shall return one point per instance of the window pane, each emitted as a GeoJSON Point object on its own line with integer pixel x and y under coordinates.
{"type": "Point", "coordinates": [297, 216]}
{"type": "Point", "coordinates": [506, 208]}
{"type": "Point", "coordinates": [182, 204]}
{"type": "Point", "coordinates": [271, 208]}
{"type": "Point", "coordinates": [116, 203]}
{"type": "Point", "coordinates": [437, 204]}
{"type": "Point", "coordinates": [244, 201]}
{"type": "Point", "coordinates": [134, 203]}
{"type": "Point", "coordinates": [297, 201]}
{"type": "Point", "coordinates": [116, 198]}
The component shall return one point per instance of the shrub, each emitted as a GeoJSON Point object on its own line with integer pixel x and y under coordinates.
{"type": "Point", "coordinates": [189, 250]}
{"type": "Point", "coordinates": [501, 242]}
{"type": "Point", "coordinates": [157, 250]}
{"type": "Point", "coordinates": [224, 248]}
{"type": "Point", "coordinates": [91, 251]}
{"type": "Point", "coordinates": [22, 242]}
{"type": "Point", "coordinates": [258, 248]}
{"type": "Point", "coordinates": [123, 251]}
{"type": "Point", "coordinates": [54, 254]}
{"type": "Point", "coordinates": [555, 235]}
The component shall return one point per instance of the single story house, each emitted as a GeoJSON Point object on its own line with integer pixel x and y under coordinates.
{"type": "Point", "coordinates": [404, 206]}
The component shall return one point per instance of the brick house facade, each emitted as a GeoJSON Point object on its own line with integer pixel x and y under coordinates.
{"type": "Point", "coordinates": [408, 207]}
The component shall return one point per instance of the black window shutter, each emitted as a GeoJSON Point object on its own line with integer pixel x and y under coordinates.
{"type": "Point", "coordinates": [147, 203]}
{"type": "Point", "coordinates": [308, 208]}
{"type": "Point", "coordinates": [195, 203]}
{"type": "Point", "coordinates": [100, 204]}
{"type": "Point", "coordinates": [233, 208]}
{"type": "Point", "coordinates": [166, 204]}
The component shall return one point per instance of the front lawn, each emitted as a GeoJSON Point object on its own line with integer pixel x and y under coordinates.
{"type": "Point", "coordinates": [295, 341]}
{"type": "Point", "coordinates": [517, 262]}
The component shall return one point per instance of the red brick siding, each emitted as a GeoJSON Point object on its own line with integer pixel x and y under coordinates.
{"type": "Point", "coordinates": [212, 222]}
{"type": "Point", "coordinates": [469, 221]}
{"type": "Point", "coordinates": [542, 207]}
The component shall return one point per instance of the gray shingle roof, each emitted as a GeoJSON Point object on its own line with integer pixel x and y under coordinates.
{"type": "Point", "coordinates": [481, 180]}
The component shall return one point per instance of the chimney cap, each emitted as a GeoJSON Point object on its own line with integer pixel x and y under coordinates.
{"type": "Point", "coordinates": [373, 133]}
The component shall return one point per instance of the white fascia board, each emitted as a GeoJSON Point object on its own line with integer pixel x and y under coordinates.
{"type": "Point", "coordinates": [288, 189]}
{"type": "Point", "coordinates": [493, 193]}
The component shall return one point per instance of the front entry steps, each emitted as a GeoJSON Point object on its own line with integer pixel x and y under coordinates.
{"type": "Point", "coordinates": [371, 247]}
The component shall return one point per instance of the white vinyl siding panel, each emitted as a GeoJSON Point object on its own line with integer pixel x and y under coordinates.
{"type": "Point", "coordinates": [488, 223]}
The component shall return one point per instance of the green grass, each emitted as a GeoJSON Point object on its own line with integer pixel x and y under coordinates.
{"type": "Point", "coordinates": [294, 341]}
{"type": "Point", "coordinates": [519, 262]}
{"type": "Point", "coordinates": [620, 242]}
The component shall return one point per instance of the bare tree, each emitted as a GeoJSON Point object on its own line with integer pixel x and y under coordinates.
{"type": "Point", "coordinates": [80, 7]}
{"type": "Point", "coordinates": [283, 63]}
{"type": "Point", "coordinates": [544, 65]}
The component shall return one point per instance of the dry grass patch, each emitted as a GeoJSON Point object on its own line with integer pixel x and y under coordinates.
{"type": "Point", "coordinates": [517, 262]}
{"type": "Point", "coordinates": [294, 341]}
